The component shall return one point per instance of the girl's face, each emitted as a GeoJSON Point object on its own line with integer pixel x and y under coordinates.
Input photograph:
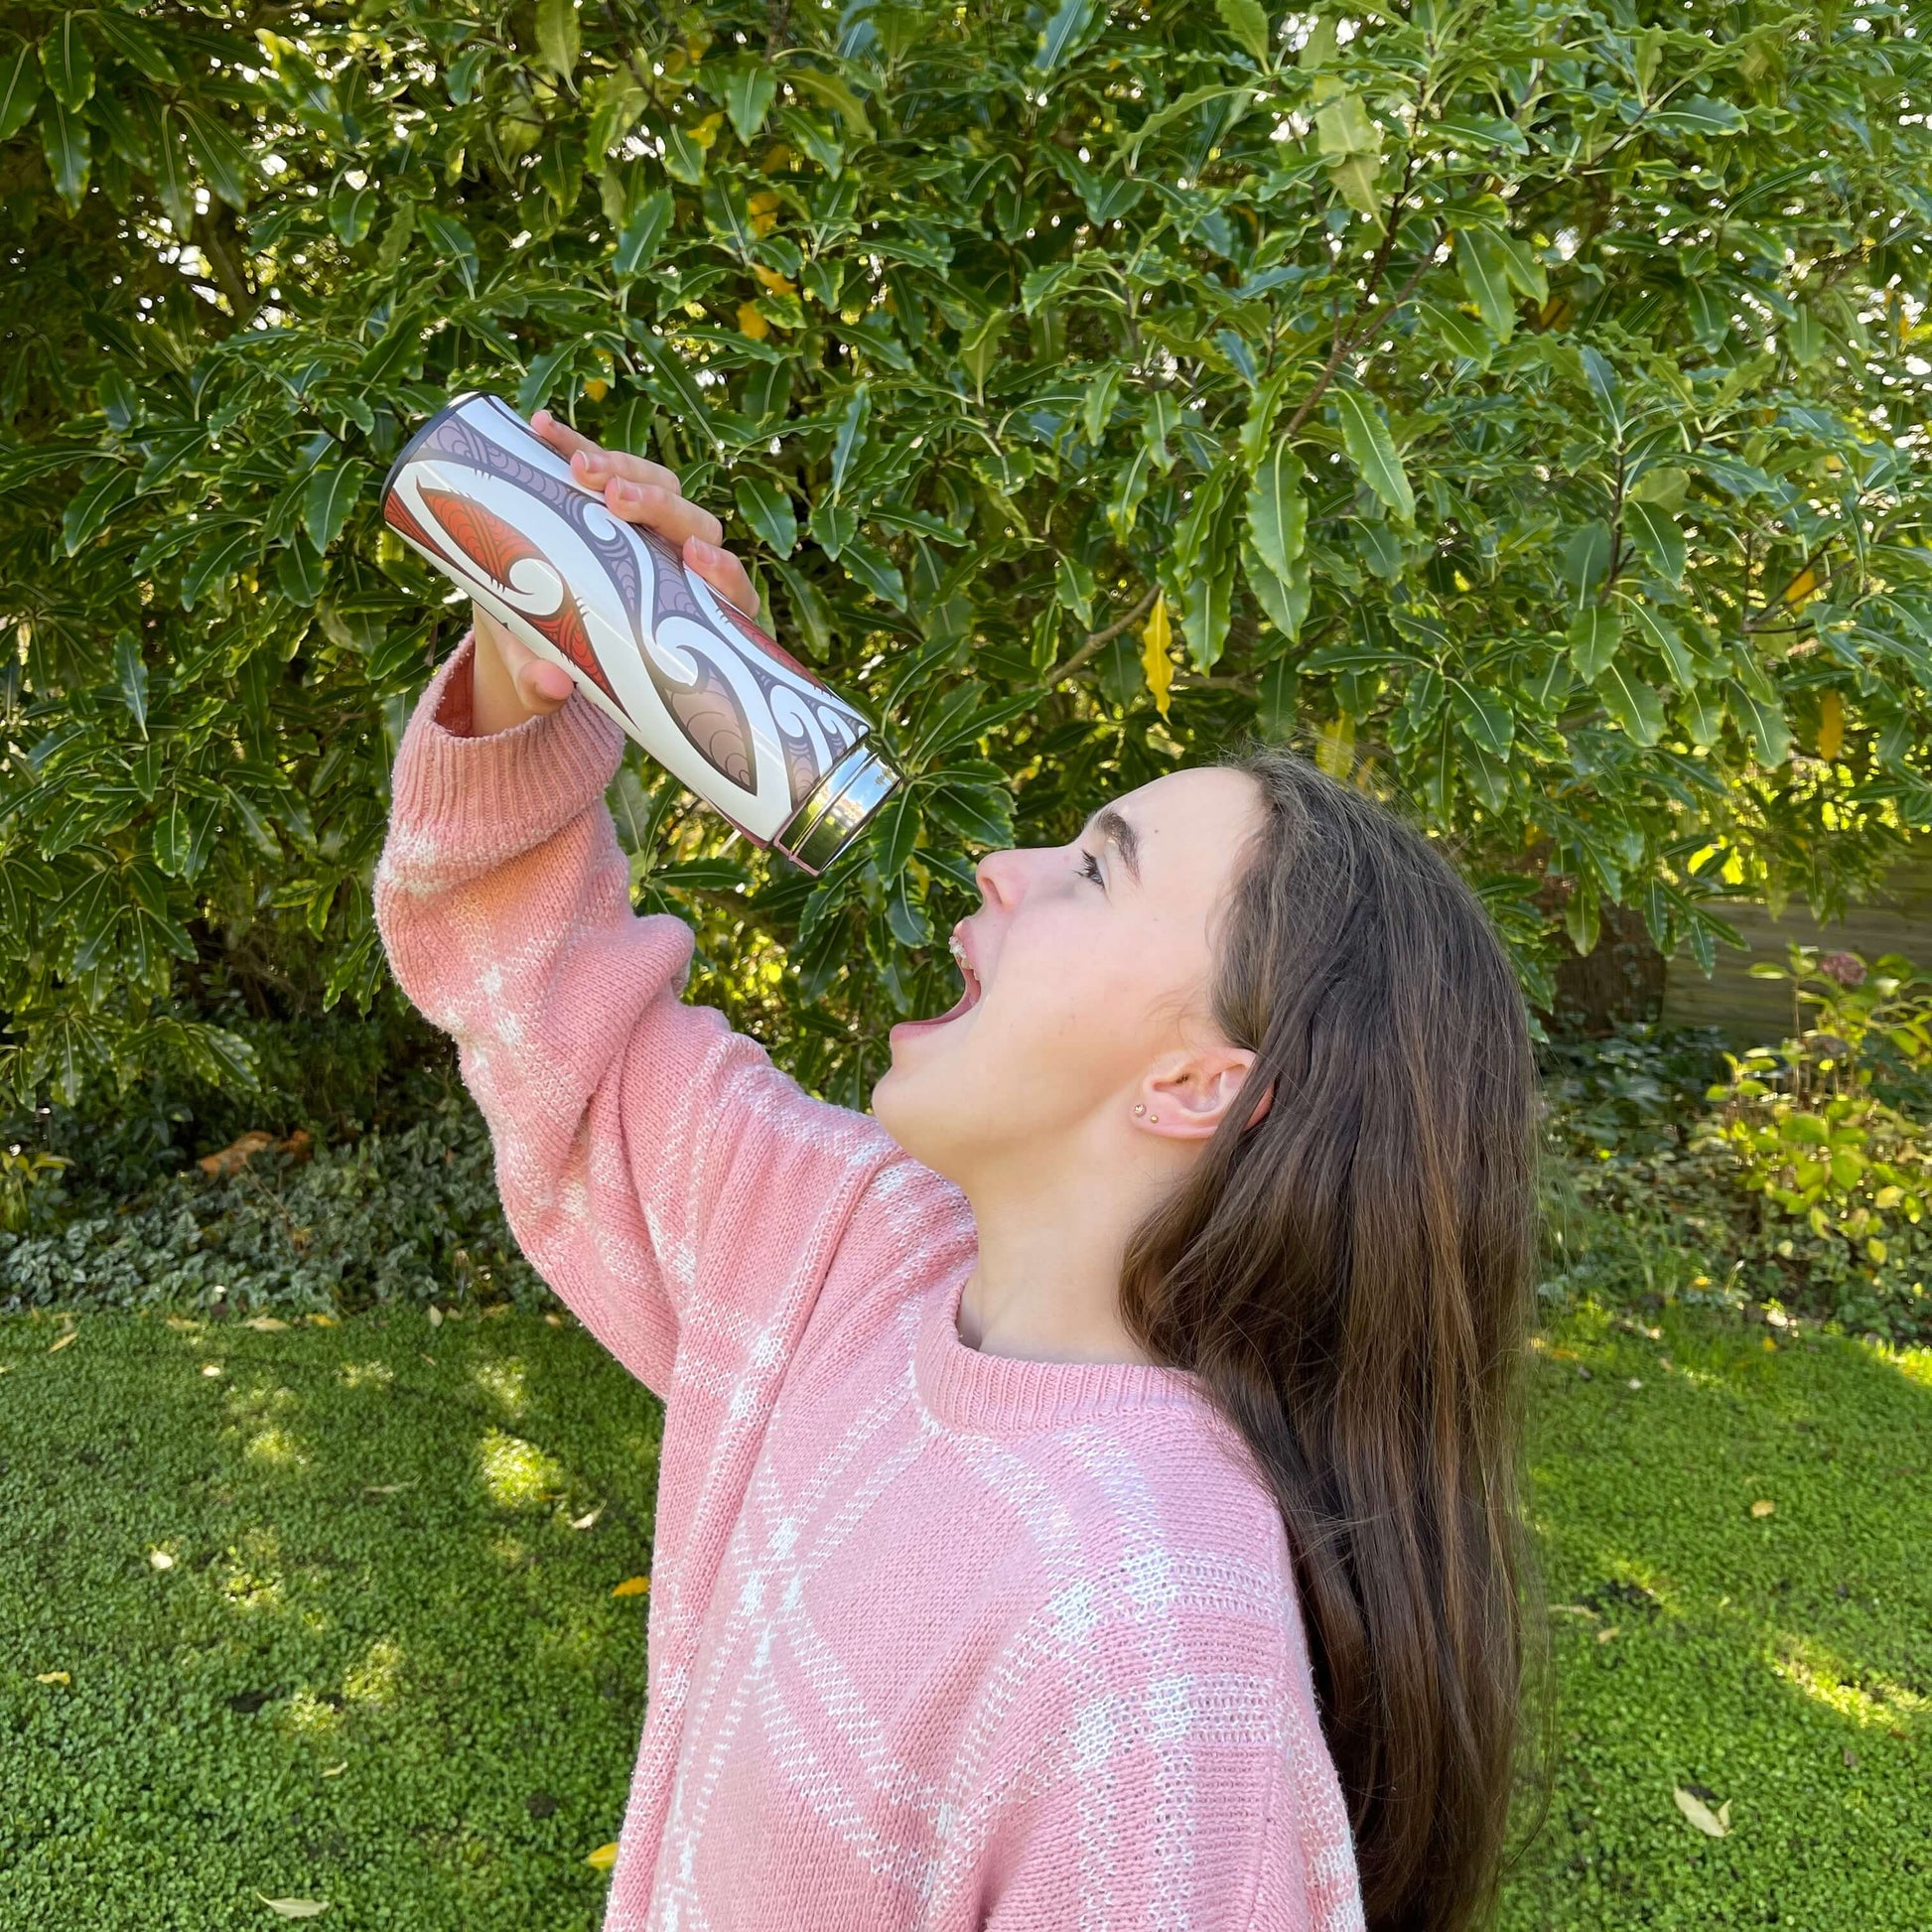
{"type": "Point", "coordinates": [1089, 969]}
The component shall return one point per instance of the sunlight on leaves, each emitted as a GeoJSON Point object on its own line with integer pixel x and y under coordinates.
{"type": "Point", "coordinates": [377, 1678]}
{"type": "Point", "coordinates": [505, 1384]}
{"type": "Point", "coordinates": [516, 1472]}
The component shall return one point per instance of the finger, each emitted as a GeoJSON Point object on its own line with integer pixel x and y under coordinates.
{"type": "Point", "coordinates": [541, 685]}
{"type": "Point", "coordinates": [593, 465]}
{"type": "Point", "coordinates": [663, 510]}
{"type": "Point", "coordinates": [724, 573]}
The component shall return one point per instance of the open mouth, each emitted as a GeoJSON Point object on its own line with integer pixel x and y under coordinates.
{"type": "Point", "coordinates": [969, 997]}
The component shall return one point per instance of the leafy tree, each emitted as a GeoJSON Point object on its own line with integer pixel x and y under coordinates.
{"type": "Point", "coordinates": [1520, 404]}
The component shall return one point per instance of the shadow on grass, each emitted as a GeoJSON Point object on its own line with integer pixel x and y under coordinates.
{"type": "Point", "coordinates": [1733, 1538]}
{"type": "Point", "coordinates": [327, 1628]}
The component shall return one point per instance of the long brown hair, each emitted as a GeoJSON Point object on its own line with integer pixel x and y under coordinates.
{"type": "Point", "coordinates": [1351, 1277]}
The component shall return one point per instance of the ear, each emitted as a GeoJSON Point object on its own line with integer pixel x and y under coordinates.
{"type": "Point", "coordinates": [1187, 1097]}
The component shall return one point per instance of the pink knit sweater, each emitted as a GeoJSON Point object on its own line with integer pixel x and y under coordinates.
{"type": "Point", "coordinates": [938, 1639]}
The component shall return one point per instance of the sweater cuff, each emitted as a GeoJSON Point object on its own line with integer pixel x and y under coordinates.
{"type": "Point", "coordinates": [506, 791]}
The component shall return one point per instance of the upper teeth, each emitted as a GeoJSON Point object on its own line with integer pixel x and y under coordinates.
{"type": "Point", "coordinates": [958, 951]}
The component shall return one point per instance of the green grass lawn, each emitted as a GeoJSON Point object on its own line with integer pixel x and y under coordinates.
{"type": "Point", "coordinates": [328, 1628]}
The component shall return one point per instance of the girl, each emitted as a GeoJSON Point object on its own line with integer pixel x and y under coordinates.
{"type": "Point", "coordinates": [1087, 1489]}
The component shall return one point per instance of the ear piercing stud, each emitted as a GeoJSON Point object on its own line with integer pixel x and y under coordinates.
{"type": "Point", "coordinates": [1139, 1107]}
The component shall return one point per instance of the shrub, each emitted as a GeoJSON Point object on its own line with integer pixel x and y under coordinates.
{"type": "Point", "coordinates": [1517, 406]}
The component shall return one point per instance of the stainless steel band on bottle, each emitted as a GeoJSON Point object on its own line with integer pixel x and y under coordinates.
{"type": "Point", "coordinates": [838, 808]}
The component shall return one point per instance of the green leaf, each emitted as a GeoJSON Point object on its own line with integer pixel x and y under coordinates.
{"type": "Point", "coordinates": [1658, 537]}
{"type": "Point", "coordinates": [1248, 23]}
{"type": "Point", "coordinates": [1484, 717]}
{"type": "Point", "coordinates": [767, 510]}
{"type": "Point", "coordinates": [1764, 721]}
{"type": "Point", "coordinates": [867, 564]}
{"type": "Point", "coordinates": [894, 832]}
{"type": "Point", "coordinates": [1206, 608]}
{"type": "Point", "coordinates": [637, 246]}
{"type": "Point", "coordinates": [69, 64]}
{"type": "Point", "coordinates": [833, 525]}
{"type": "Point", "coordinates": [172, 180]}
{"type": "Point", "coordinates": [1063, 33]}
{"type": "Point", "coordinates": [1485, 277]}
{"type": "Point", "coordinates": [216, 562]}
{"type": "Point", "coordinates": [63, 136]}
{"type": "Point", "coordinates": [1372, 450]}
{"type": "Point", "coordinates": [750, 90]}
{"type": "Point", "coordinates": [808, 609]}
{"type": "Point", "coordinates": [1595, 634]}
{"type": "Point", "coordinates": [683, 157]}
{"type": "Point", "coordinates": [1097, 405]}
{"type": "Point", "coordinates": [351, 211]}
{"type": "Point", "coordinates": [557, 37]}
{"type": "Point", "coordinates": [223, 160]}
{"type": "Point", "coordinates": [452, 240]}
{"type": "Point", "coordinates": [981, 813]}
{"type": "Point", "coordinates": [86, 513]}
{"type": "Point", "coordinates": [1277, 514]}
{"type": "Point", "coordinates": [1699, 114]}
{"type": "Point", "coordinates": [830, 92]}
{"type": "Point", "coordinates": [131, 674]}
{"type": "Point", "coordinates": [851, 436]}
{"type": "Point", "coordinates": [1632, 702]}
{"type": "Point", "coordinates": [330, 497]}
{"type": "Point", "coordinates": [1457, 332]}
{"type": "Point", "coordinates": [20, 88]}
{"type": "Point", "coordinates": [1662, 634]}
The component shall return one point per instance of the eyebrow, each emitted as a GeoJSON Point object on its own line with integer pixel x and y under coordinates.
{"type": "Point", "coordinates": [1115, 828]}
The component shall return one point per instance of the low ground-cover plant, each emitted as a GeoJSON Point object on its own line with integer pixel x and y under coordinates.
{"type": "Point", "coordinates": [411, 1216]}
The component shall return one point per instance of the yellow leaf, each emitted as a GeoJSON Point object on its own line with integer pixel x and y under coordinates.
{"type": "Point", "coordinates": [1763, 1508]}
{"type": "Point", "coordinates": [597, 388]}
{"type": "Point", "coordinates": [294, 1907]}
{"type": "Point", "coordinates": [324, 1320]}
{"type": "Point", "coordinates": [706, 130]}
{"type": "Point", "coordinates": [1801, 586]}
{"type": "Point", "coordinates": [1606, 1633]}
{"type": "Point", "coordinates": [772, 280]}
{"type": "Point", "coordinates": [751, 322]}
{"type": "Point", "coordinates": [181, 1325]}
{"type": "Point", "coordinates": [1335, 750]}
{"type": "Point", "coordinates": [589, 1521]}
{"type": "Point", "coordinates": [1712, 1824]}
{"type": "Point", "coordinates": [1154, 658]}
{"type": "Point", "coordinates": [603, 1857]}
{"type": "Point", "coordinates": [1831, 724]}
{"type": "Point", "coordinates": [54, 1677]}
{"type": "Point", "coordinates": [267, 1323]}
{"type": "Point", "coordinates": [334, 1771]}
{"type": "Point", "coordinates": [59, 1343]}
{"type": "Point", "coordinates": [632, 1586]}
{"type": "Point", "coordinates": [435, 1315]}
{"type": "Point", "coordinates": [777, 159]}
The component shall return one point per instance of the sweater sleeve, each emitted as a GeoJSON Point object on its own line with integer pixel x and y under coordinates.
{"type": "Point", "coordinates": [627, 1126]}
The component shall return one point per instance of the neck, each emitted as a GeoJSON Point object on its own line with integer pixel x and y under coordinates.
{"type": "Point", "coordinates": [1051, 1239]}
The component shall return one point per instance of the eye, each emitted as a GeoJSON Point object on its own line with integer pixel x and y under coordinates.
{"type": "Point", "coordinates": [1090, 868]}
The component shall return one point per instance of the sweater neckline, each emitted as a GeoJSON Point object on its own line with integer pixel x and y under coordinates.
{"type": "Point", "coordinates": [1003, 1395]}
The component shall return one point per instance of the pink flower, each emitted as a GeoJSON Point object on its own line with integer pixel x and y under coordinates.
{"type": "Point", "coordinates": [1844, 967]}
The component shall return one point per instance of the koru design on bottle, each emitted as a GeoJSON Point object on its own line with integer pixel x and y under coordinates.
{"type": "Point", "coordinates": [687, 674]}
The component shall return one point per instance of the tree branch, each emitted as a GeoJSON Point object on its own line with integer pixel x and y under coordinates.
{"type": "Point", "coordinates": [1099, 639]}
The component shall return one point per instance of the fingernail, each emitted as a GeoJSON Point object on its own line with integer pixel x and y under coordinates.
{"type": "Point", "coordinates": [629, 491]}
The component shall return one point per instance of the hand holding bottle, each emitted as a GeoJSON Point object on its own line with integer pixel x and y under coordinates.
{"type": "Point", "coordinates": [512, 682]}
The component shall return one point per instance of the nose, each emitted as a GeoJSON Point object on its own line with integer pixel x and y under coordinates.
{"type": "Point", "coordinates": [1001, 878]}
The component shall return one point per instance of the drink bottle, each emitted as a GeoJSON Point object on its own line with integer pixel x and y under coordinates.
{"type": "Point", "coordinates": [699, 685]}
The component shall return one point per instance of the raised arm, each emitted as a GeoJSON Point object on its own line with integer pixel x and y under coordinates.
{"type": "Point", "coordinates": [627, 1125]}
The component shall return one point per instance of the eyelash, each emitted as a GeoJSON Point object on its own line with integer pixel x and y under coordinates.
{"type": "Point", "coordinates": [1090, 868]}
